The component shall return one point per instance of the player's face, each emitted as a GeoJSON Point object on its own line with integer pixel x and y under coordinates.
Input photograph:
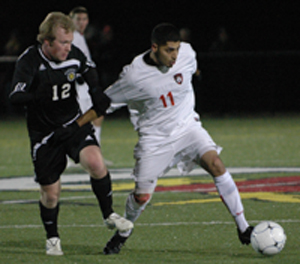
{"type": "Point", "coordinates": [81, 20]}
{"type": "Point", "coordinates": [166, 55]}
{"type": "Point", "coordinates": [59, 49]}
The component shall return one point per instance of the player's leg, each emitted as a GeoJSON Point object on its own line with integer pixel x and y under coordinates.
{"type": "Point", "coordinates": [49, 209]}
{"type": "Point", "coordinates": [135, 204]}
{"type": "Point", "coordinates": [150, 165]}
{"type": "Point", "coordinates": [49, 162]}
{"type": "Point", "coordinates": [228, 192]}
{"type": "Point", "coordinates": [147, 169]}
{"type": "Point", "coordinates": [201, 149]}
{"type": "Point", "coordinates": [92, 161]}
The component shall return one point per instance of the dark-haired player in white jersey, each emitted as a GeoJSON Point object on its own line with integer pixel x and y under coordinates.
{"type": "Point", "coordinates": [44, 81]}
{"type": "Point", "coordinates": [157, 89]}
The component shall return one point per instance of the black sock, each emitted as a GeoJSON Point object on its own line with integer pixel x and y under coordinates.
{"type": "Point", "coordinates": [49, 219]}
{"type": "Point", "coordinates": [103, 192]}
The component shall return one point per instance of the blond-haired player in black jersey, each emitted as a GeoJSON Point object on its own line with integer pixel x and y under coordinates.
{"type": "Point", "coordinates": [44, 81]}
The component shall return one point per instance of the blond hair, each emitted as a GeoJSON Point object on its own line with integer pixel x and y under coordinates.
{"type": "Point", "coordinates": [51, 22]}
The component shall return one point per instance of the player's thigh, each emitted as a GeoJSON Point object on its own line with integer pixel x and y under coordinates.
{"type": "Point", "coordinates": [49, 162]}
{"type": "Point", "coordinates": [196, 143]}
{"type": "Point", "coordinates": [84, 137]}
{"type": "Point", "coordinates": [151, 164]}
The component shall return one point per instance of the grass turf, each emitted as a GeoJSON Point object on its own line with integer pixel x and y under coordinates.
{"type": "Point", "coordinates": [180, 233]}
{"type": "Point", "coordinates": [165, 233]}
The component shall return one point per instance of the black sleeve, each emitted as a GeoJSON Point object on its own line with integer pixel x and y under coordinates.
{"type": "Point", "coordinates": [22, 79]}
{"type": "Point", "coordinates": [21, 98]}
{"type": "Point", "coordinates": [100, 100]}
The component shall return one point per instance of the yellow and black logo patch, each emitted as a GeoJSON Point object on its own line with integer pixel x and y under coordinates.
{"type": "Point", "coordinates": [71, 75]}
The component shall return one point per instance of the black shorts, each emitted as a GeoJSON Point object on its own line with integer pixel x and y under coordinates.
{"type": "Point", "coordinates": [50, 160]}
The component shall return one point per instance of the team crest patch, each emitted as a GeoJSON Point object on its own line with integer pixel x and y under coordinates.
{"type": "Point", "coordinates": [178, 78]}
{"type": "Point", "coordinates": [71, 74]}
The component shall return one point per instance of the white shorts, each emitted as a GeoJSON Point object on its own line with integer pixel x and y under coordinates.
{"type": "Point", "coordinates": [155, 157]}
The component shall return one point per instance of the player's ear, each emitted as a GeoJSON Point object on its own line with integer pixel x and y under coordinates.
{"type": "Point", "coordinates": [47, 42]}
{"type": "Point", "coordinates": [154, 47]}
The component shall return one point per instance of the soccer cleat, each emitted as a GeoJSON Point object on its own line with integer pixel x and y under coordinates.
{"type": "Point", "coordinates": [115, 244]}
{"type": "Point", "coordinates": [53, 247]}
{"type": "Point", "coordinates": [122, 224]}
{"type": "Point", "coordinates": [245, 237]}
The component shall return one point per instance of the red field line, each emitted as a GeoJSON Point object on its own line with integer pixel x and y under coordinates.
{"type": "Point", "coordinates": [276, 184]}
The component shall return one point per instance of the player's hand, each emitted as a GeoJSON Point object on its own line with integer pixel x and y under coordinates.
{"type": "Point", "coordinates": [79, 79]}
{"type": "Point", "coordinates": [64, 133]}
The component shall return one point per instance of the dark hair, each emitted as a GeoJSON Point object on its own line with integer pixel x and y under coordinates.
{"type": "Point", "coordinates": [78, 10]}
{"type": "Point", "coordinates": [164, 32]}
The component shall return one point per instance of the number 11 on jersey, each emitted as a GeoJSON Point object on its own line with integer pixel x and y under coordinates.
{"type": "Point", "coordinates": [164, 101]}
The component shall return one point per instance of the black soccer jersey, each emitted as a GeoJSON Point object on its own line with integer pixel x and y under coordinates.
{"type": "Point", "coordinates": [52, 86]}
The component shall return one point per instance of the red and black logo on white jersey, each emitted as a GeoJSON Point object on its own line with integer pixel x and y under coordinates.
{"type": "Point", "coordinates": [178, 78]}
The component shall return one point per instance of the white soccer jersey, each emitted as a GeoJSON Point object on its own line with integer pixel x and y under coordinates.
{"type": "Point", "coordinates": [162, 102]}
{"type": "Point", "coordinates": [80, 42]}
{"type": "Point", "coordinates": [84, 98]}
{"type": "Point", "coordinates": [162, 110]}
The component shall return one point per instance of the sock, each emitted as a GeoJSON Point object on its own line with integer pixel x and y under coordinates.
{"type": "Point", "coordinates": [49, 219]}
{"type": "Point", "coordinates": [231, 198]}
{"type": "Point", "coordinates": [98, 133]}
{"type": "Point", "coordinates": [102, 190]}
{"type": "Point", "coordinates": [133, 209]}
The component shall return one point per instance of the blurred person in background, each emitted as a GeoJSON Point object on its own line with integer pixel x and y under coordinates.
{"type": "Point", "coordinates": [223, 42]}
{"type": "Point", "coordinates": [80, 18]}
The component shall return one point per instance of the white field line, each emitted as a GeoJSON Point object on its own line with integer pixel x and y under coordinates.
{"type": "Point", "coordinates": [291, 221]}
{"type": "Point", "coordinates": [81, 180]}
{"type": "Point", "coordinates": [61, 199]}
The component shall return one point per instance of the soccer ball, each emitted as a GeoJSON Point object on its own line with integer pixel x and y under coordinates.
{"type": "Point", "coordinates": [268, 238]}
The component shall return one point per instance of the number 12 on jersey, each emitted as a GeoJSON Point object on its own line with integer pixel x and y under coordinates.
{"type": "Point", "coordinates": [61, 94]}
{"type": "Point", "coordinates": [169, 97]}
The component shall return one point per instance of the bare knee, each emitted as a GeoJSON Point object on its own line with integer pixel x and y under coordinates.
{"type": "Point", "coordinates": [143, 198]}
{"type": "Point", "coordinates": [92, 161]}
{"type": "Point", "coordinates": [50, 194]}
{"type": "Point", "coordinates": [96, 168]}
{"type": "Point", "coordinates": [49, 199]}
{"type": "Point", "coordinates": [212, 163]}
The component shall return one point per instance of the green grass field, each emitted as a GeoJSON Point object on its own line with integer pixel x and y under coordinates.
{"type": "Point", "coordinates": [171, 230]}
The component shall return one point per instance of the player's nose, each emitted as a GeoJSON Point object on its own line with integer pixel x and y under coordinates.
{"type": "Point", "coordinates": [174, 55]}
{"type": "Point", "coordinates": [68, 47]}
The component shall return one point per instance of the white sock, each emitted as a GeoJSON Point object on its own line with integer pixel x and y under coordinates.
{"type": "Point", "coordinates": [98, 133]}
{"type": "Point", "coordinates": [230, 196]}
{"type": "Point", "coordinates": [133, 211]}
{"type": "Point", "coordinates": [125, 233]}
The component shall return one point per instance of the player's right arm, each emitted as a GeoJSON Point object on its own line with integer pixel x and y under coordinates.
{"type": "Point", "coordinates": [22, 79]}
{"type": "Point", "coordinates": [118, 91]}
{"type": "Point", "coordinates": [115, 94]}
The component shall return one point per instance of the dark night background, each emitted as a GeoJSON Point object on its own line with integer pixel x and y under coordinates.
{"type": "Point", "coordinates": [252, 25]}
{"type": "Point", "coordinates": [260, 74]}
